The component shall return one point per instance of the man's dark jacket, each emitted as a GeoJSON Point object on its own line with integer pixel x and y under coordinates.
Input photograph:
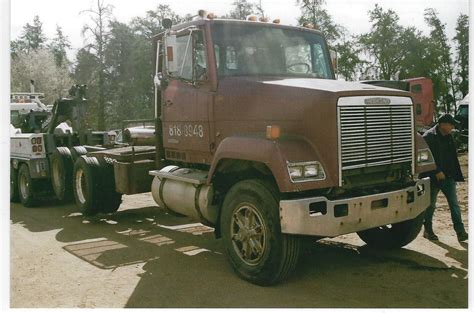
{"type": "Point", "coordinates": [443, 148]}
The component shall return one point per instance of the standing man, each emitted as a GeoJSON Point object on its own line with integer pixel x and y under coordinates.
{"type": "Point", "coordinates": [444, 178]}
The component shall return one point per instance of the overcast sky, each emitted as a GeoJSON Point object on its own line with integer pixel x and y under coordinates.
{"type": "Point", "coordinates": [351, 14]}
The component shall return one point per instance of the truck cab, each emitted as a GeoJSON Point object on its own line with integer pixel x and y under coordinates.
{"type": "Point", "coordinates": [261, 142]}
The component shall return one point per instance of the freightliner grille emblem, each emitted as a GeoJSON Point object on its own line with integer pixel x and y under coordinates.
{"type": "Point", "coordinates": [377, 100]}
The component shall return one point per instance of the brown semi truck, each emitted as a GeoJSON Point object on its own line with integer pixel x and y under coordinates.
{"type": "Point", "coordinates": [256, 138]}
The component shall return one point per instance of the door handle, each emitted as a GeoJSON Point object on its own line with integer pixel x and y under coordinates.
{"type": "Point", "coordinates": [168, 103]}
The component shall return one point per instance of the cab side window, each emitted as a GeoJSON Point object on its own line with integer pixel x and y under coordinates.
{"type": "Point", "coordinates": [184, 54]}
{"type": "Point", "coordinates": [191, 57]}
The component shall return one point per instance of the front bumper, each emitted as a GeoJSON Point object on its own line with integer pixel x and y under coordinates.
{"type": "Point", "coordinates": [319, 216]}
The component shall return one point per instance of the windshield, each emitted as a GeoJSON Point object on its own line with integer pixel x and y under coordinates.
{"type": "Point", "coordinates": [253, 50]}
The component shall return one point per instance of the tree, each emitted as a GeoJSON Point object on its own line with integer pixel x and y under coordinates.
{"type": "Point", "coordinates": [40, 66]}
{"type": "Point", "coordinates": [130, 88]}
{"type": "Point", "coordinates": [242, 9]}
{"type": "Point", "coordinates": [383, 42]}
{"type": "Point", "coordinates": [150, 25]}
{"type": "Point", "coordinates": [462, 48]}
{"type": "Point", "coordinates": [58, 46]}
{"type": "Point", "coordinates": [100, 16]}
{"type": "Point", "coordinates": [32, 38]}
{"type": "Point", "coordinates": [85, 72]}
{"type": "Point", "coordinates": [441, 51]}
{"type": "Point", "coordinates": [312, 12]}
{"type": "Point", "coordinates": [417, 58]}
{"type": "Point", "coordinates": [348, 61]}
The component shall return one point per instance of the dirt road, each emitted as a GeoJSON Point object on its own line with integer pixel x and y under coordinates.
{"type": "Point", "coordinates": [143, 257]}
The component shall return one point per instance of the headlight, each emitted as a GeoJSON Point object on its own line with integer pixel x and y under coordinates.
{"type": "Point", "coordinates": [296, 172]}
{"type": "Point", "coordinates": [424, 156]}
{"type": "Point", "coordinates": [311, 171]}
{"type": "Point", "coordinates": [306, 171]}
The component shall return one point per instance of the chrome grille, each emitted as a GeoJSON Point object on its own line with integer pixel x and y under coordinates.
{"type": "Point", "coordinates": [372, 135]}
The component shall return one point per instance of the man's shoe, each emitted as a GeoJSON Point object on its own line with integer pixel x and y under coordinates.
{"type": "Point", "coordinates": [462, 235]}
{"type": "Point", "coordinates": [430, 235]}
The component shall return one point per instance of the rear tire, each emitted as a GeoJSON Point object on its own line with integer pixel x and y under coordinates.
{"type": "Point", "coordinates": [77, 152]}
{"type": "Point", "coordinates": [86, 184]}
{"type": "Point", "coordinates": [110, 200]}
{"type": "Point", "coordinates": [26, 190]}
{"type": "Point", "coordinates": [393, 237]}
{"type": "Point", "coordinates": [250, 227]}
{"type": "Point", "coordinates": [61, 173]}
{"type": "Point", "coordinates": [14, 195]}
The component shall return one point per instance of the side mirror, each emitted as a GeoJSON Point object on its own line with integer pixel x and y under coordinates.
{"type": "Point", "coordinates": [167, 23]}
{"type": "Point", "coordinates": [333, 55]}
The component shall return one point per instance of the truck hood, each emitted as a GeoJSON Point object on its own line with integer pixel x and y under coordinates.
{"type": "Point", "coordinates": [324, 85]}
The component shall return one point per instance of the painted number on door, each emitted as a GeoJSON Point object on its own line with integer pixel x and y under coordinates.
{"type": "Point", "coordinates": [186, 130]}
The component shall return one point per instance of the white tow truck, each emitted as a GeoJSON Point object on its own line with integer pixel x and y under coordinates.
{"type": "Point", "coordinates": [45, 141]}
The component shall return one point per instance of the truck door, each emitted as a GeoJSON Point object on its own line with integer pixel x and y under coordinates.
{"type": "Point", "coordinates": [187, 102]}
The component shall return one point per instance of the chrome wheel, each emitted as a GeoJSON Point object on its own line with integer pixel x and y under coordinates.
{"type": "Point", "coordinates": [80, 184]}
{"type": "Point", "coordinates": [56, 177]}
{"type": "Point", "coordinates": [248, 233]}
{"type": "Point", "coordinates": [24, 186]}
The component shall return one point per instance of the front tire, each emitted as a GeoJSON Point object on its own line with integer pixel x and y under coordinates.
{"type": "Point", "coordinates": [393, 236]}
{"type": "Point", "coordinates": [26, 190]}
{"type": "Point", "coordinates": [250, 226]}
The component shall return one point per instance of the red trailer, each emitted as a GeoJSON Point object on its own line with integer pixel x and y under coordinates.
{"type": "Point", "coordinates": [422, 92]}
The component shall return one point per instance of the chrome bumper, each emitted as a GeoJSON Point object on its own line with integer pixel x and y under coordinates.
{"type": "Point", "coordinates": [319, 216]}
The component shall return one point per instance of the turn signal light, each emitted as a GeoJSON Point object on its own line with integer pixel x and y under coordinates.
{"type": "Point", "coordinates": [273, 132]}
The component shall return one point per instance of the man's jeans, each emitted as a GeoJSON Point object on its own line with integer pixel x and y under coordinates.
{"type": "Point", "coordinates": [448, 187]}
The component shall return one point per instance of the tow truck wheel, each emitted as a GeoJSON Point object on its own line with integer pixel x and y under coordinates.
{"type": "Point", "coordinates": [392, 236]}
{"type": "Point", "coordinates": [14, 196]}
{"type": "Point", "coordinates": [61, 173]}
{"type": "Point", "coordinates": [26, 187]}
{"type": "Point", "coordinates": [250, 226]}
{"type": "Point", "coordinates": [77, 152]}
{"type": "Point", "coordinates": [110, 200]}
{"type": "Point", "coordinates": [86, 184]}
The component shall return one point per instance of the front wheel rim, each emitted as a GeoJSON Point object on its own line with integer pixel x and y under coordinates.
{"type": "Point", "coordinates": [248, 234]}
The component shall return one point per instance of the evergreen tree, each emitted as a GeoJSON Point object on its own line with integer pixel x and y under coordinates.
{"type": "Point", "coordinates": [58, 46]}
{"type": "Point", "coordinates": [462, 48]}
{"type": "Point", "coordinates": [32, 38]}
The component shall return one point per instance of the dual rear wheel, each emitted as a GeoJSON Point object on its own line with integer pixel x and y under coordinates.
{"type": "Point", "coordinates": [94, 186]}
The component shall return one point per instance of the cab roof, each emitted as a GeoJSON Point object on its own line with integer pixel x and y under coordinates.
{"type": "Point", "coordinates": [201, 22]}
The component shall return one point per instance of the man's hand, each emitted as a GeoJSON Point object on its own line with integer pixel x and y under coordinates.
{"type": "Point", "coordinates": [440, 176]}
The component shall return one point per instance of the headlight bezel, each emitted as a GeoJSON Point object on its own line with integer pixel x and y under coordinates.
{"type": "Point", "coordinates": [309, 171]}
